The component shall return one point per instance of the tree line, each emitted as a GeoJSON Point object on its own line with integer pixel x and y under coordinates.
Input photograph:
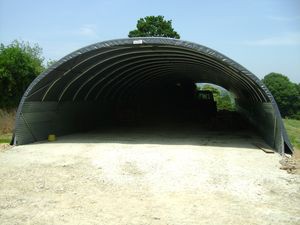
{"type": "Point", "coordinates": [21, 62]}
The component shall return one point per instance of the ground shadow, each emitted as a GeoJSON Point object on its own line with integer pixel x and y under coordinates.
{"type": "Point", "coordinates": [220, 131]}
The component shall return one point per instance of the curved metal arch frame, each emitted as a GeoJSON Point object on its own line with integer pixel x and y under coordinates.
{"type": "Point", "coordinates": [55, 66]}
{"type": "Point", "coordinates": [77, 65]}
{"type": "Point", "coordinates": [136, 68]}
{"type": "Point", "coordinates": [259, 95]}
{"type": "Point", "coordinates": [121, 61]}
{"type": "Point", "coordinates": [194, 62]}
{"type": "Point", "coordinates": [149, 73]}
{"type": "Point", "coordinates": [138, 83]}
{"type": "Point", "coordinates": [116, 63]}
{"type": "Point", "coordinates": [107, 76]}
{"type": "Point", "coordinates": [95, 75]}
{"type": "Point", "coordinates": [147, 69]}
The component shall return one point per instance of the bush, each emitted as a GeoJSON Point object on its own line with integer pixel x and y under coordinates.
{"type": "Point", "coordinates": [286, 94]}
{"type": "Point", "coordinates": [223, 98]}
{"type": "Point", "coordinates": [20, 63]}
{"type": "Point", "coordinates": [7, 121]}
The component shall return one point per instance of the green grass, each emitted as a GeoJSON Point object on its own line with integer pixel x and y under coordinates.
{"type": "Point", "coordinates": [293, 130]}
{"type": "Point", "coordinates": [5, 138]}
{"type": "Point", "coordinates": [7, 121]}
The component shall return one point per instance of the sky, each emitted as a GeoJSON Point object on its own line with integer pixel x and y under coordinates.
{"type": "Point", "coordinates": [261, 35]}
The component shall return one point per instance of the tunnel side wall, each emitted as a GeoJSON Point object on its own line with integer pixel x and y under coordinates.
{"type": "Point", "coordinates": [39, 119]}
{"type": "Point", "coordinates": [265, 121]}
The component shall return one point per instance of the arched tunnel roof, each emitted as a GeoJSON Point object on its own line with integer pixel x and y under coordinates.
{"type": "Point", "coordinates": [117, 69]}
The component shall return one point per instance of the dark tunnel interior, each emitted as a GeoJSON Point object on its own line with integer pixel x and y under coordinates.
{"type": "Point", "coordinates": [151, 82]}
{"type": "Point", "coordinates": [171, 102]}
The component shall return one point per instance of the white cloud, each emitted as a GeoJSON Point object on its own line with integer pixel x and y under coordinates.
{"type": "Point", "coordinates": [88, 30]}
{"type": "Point", "coordinates": [286, 39]}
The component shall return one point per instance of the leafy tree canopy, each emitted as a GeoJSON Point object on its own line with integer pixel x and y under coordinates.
{"type": "Point", "coordinates": [285, 92]}
{"type": "Point", "coordinates": [20, 63]}
{"type": "Point", "coordinates": [222, 97]}
{"type": "Point", "coordinates": [154, 26]}
{"type": "Point", "coordinates": [50, 63]}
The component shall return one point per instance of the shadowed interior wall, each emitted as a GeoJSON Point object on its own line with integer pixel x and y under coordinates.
{"type": "Point", "coordinates": [88, 88]}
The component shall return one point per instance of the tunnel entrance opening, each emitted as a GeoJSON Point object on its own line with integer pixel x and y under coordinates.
{"type": "Point", "coordinates": [145, 81]}
{"type": "Point", "coordinates": [165, 113]}
{"type": "Point", "coordinates": [174, 108]}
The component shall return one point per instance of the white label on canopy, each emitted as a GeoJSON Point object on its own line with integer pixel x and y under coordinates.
{"type": "Point", "coordinates": [138, 42]}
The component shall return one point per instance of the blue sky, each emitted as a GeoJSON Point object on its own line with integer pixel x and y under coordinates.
{"type": "Point", "coordinates": [262, 35]}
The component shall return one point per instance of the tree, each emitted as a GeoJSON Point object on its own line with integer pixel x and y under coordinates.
{"type": "Point", "coordinates": [50, 63]}
{"type": "Point", "coordinates": [285, 92]}
{"type": "Point", "coordinates": [296, 114]}
{"type": "Point", "coordinates": [154, 26]}
{"type": "Point", "coordinates": [20, 63]}
{"type": "Point", "coordinates": [221, 96]}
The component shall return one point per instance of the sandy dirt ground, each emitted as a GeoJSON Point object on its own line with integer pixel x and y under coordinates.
{"type": "Point", "coordinates": [133, 177]}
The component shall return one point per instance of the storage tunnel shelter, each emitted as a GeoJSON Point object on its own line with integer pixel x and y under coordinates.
{"type": "Point", "coordinates": [88, 86]}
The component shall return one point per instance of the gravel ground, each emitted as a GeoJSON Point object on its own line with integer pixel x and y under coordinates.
{"type": "Point", "coordinates": [129, 178]}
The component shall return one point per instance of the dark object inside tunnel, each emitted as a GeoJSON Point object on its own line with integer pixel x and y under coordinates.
{"type": "Point", "coordinates": [143, 81]}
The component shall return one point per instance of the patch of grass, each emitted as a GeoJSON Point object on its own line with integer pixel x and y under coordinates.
{"type": "Point", "coordinates": [7, 120]}
{"type": "Point", "coordinates": [293, 130]}
{"type": "Point", "coordinates": [5, 138]}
